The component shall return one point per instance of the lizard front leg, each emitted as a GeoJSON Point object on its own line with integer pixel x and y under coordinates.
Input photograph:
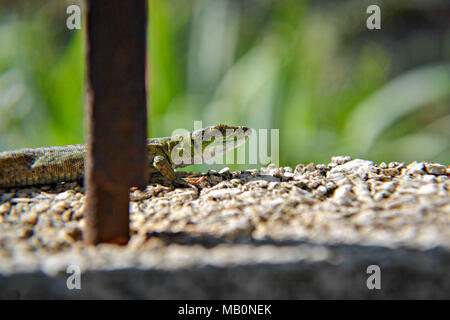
{"type": "Point", "coordinates": [163, 165]}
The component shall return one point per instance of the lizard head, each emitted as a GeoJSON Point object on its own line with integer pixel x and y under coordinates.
{"type": "Point", "coordinates": [207, 143]}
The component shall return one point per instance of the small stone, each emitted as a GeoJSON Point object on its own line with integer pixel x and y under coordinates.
{"type": "Point", "coordinates": [235, 182]}
{"type": "Point", "coordinates": [429, 178]}
{"type": "Point", "coordinates": [59, 207]}
{"type": "Point", "coordinates": [79, 214]}
{"type": "Point", "coordinates": [314, 184]}
{"type": "Point", "coordinates": [43, 221]}
{"type": "Point", "coordinates": [394, 164]}
{"type": "Point", "coordinates": [322, 168]}
{"type": "Point", "coordinates": [300, 168]}
{"type": "Point", "coordinates": [82, 223]}
{"type": "Point", "coordinates": [330, 185]}
{"type": "Point", "coordinates": [288, 176]}
{"type": "Point", "coordinates": [273, 185]}
{"type": "Point", "coordinates": [443, 191]}
{"type": "Point", "coordinates": [277, 173]}
{"type": "Point", "coordinates": [222, 194]}
{"type": "Point", "coordinates": [430, 188]}
{"type": "Point", "coordinates": [67, 216]}
{"type": "Point", "coordinates": [435, 169]}
{"type": "Point", "coordinates": [29, 218]}
{"type": "Point", "coordinates": [64, 195]}
{"type": "Point", "coordinates": [321, 190]}
{"type": "Point", "coordinates": [344, 195]}
{"type": "Point", "coordinates": [288, 170]}
{"type": "Point", "coordinates": [42, 206]}
{"type": "Point", "coordinates": [338, 178]}
{"type": "Point", "coordinates": [73, 231]}
{"type": "Point", "coordinates": [390, 172]}
{"type": "Point", "coordinates": [381, 195]}
{"type": "Point", "coordinates": [214, 179]}
{"type": "Point", "coordinates": [362, 192]}
{"type": "Point", "coordinates": [25, 233]}
{"type": "Point", "coordinates": [388, 187]}
{"type": "Point", "coordinates": [357, 166]}
{"type": "Point", "coordinates": [416, 168]}
{"type": "Point", "coordinates": [364, 217]}
{"type": "Point", "coordinates": [5, 207]}
{"type": "Point", "coordinates": [398, 166]}
{"type": "Point", "coordinates": [225, 171]}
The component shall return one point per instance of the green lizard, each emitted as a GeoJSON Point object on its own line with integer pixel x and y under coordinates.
{"type": "Point", "coordinates": [47, 165]}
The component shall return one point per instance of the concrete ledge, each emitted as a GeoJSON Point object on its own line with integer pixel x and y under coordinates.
{"type": "Point", "coordinates": [331, 272]}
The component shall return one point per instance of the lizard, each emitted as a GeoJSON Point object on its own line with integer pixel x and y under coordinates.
{"type": "Point", "coordinates": [47, 165]}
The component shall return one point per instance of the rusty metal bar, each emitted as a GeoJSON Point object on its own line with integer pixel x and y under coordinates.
{"type": "Point", "coordinates": [117, 115]}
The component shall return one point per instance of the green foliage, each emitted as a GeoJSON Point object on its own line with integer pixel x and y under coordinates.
{"type": "Point", "coordinates": [312, 71]}
{"type": "Point", "coordinates": [43, 78]}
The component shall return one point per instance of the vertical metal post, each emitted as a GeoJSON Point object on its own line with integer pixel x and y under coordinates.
{"type": "Point", "coordinates": [117, 115]}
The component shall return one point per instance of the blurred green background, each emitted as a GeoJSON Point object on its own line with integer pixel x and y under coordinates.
{"type": "Point", "coordinates": [308, 68]}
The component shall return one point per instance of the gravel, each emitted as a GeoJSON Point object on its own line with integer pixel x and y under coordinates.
{"type": "Point", "coordinates": [254, 217]}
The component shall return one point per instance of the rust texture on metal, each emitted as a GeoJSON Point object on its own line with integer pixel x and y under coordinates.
{"type": "Point", "coordinates": [117, 115]}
